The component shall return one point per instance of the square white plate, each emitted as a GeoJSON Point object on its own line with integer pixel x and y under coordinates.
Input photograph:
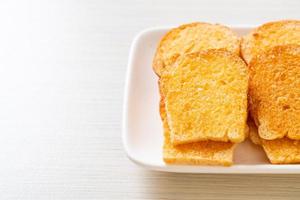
{"type": "Point", "coordinates": [142, 127]}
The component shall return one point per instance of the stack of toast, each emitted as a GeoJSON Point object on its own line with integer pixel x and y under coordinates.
{"type": "Point", "coordinates": [203, 85]}
{"type": "Point", "coordinates": [205, 71]}
{"type": "Point", "coordinates": [272, 52]}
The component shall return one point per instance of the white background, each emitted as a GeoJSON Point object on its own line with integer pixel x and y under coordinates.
{"type": "Point", "coordinates": [62, 72]}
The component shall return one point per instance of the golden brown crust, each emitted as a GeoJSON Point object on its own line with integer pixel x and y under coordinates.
{"type": "Point", "coordinates": [274, 92]}
{"type": "Point", "coordinates": [269, 35]}
{"type": "Point", "coordinates": [253, 134]}
{"type": "Point", "coordinates": [190, 38]}
{"type": "Point", "coordinates": [206, 97]}
{"type": "Point", "coordinates": [282, 151]}
{"type": "Point", "coordinates": [279, 151]}
{"type": "Point", "coordinates": [200, 153]}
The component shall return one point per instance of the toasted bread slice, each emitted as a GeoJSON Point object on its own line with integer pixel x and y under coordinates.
{"type": "Point", "coordinates": [199, 153]}
{"type": "Point", "coordinates": [274, 90]}
{"type": "Point", "coordinates": [206, 97]}
{"type": "Point", "coordinates": [253, 133]}
{"type": "Point", "coordinates": [279, 151]}
{"type": "Point", "coordinates": [190, 38]}
{"type": "Point", "coordinates": [270, 35]}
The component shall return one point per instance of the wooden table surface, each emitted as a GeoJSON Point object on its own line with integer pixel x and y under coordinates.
{"type": "Point", "coordinates": [62, 72]}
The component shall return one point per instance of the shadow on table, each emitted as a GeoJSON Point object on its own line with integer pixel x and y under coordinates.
{"type": "Point", "coordinates": [206, 186]}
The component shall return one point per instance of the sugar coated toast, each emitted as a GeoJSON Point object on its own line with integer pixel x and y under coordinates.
{"type": "Point", "coordinates": [198, 153]}
{"type": "Point", "coordinates": [270, 35]}
{"type": "Point", "coordinates": [279, 151]}
{"type": "Point", "coordinates": [190, 38]}
{"type": "Point", "coordinates": [274, 90]}
{"type": "Point", "coordinates": [206, 97]}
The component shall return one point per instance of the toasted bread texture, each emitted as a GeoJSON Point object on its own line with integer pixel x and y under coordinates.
{"type": "Point", "coordinates": [270, 35]}
{"type": "Point", "coordinates": [279, 151]}
{"type": "Point", "coordinates": [199, 153]}
{"type": "Point", "coordinates": [274, 90]}
{"type": "Point", "coordinates": [253, 133]}
{"type": "Point", "coordinates": [191, 38]}
{"type": "Point", "coordinates": [206, 97]}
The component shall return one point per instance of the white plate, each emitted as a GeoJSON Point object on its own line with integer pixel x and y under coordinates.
{"type": "Point", "coordinates": [142, 127]}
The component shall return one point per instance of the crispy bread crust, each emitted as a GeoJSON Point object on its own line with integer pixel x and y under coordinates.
{"type": "Point", "coordinates": [269, 35]}
{"type": "Point", "coordinates": [190, 38]}
{"type": "Point", "coordinates": [274, 92]}
{"type": "Point", "coordinates": [199, 153]}
{"type": "Point", "coordinates": [279, 151]}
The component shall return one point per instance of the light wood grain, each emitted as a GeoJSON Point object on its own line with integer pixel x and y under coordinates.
{"type": "Point", "coordinates": [62, 72]}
